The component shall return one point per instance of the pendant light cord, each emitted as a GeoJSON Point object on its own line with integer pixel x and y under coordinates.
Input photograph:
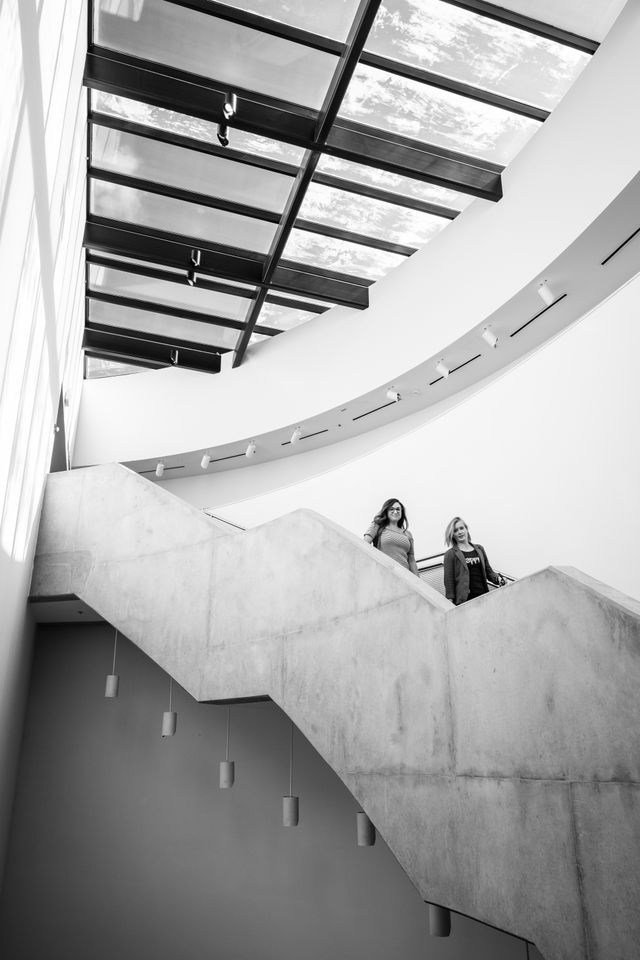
{"type": "Point", "coordinates": [115, 644]}
{"type": "Point", "coordinates": [228, 729]}
{"type": "Point", "coordinates": [291, 762]}
{"type": "Point", "coordinates": [170, 692]}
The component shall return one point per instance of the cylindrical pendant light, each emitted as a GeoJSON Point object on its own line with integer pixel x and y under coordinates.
{"type": "Point", "coordinates": [227, 767]}
{"type": "Point", "coordinates": [439, 921]}
{"type": "Point", "coordinates": [113, 680]}
{"type": "Point", "coordinates": [169, 717]}
{"type": "Point", "coordinates": [290, 804]}
{"type": "Point", "coordinates": [366, 830]}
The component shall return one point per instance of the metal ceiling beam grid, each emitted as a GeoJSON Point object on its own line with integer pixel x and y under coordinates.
{"type": "Point", "coordinates": [347, 63]}
{"type": "Point", "coordinates": [195, 96]}
{"type": "Point", "coordinates": [241, 266]}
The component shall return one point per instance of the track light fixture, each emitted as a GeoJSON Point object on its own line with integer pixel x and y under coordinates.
{"type": "Point", "coordinates": [251, 450]}
{"type": "Point", "coordinates": [489, 337]}
{"type": "Point", "coordinates": [439, 921]}
{"type": "Point", "coordinates": [169, 717]}
{"type": "Point", "coordinates": [113, 680]}
{"type": "Point", "coordinates": [442, 369]}
{"type": "Point", "coordinates": [173, 356]}
{"type": "Point", "coordinates": [393, 395]}
{"type": "Point", "coordinates": [296, 435]}
{"type": "Point", "coordinates": [160, 469]}
{"type": "Point", "coordinates": [223, 134]}
{"type": "Point", "coordinates": [194, 263]}
{"type": "Point", "coordinates": [230, 106]}
{"type": "Point", "coordinates": [546, 294]}
{"type": "Point", "coordinates": [206, 460]}
{"type": "Point", "coordinates": [366, 831]}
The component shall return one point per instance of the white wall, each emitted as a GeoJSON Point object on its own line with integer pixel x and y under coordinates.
{"type": "Point", "coordinates": [42, 175]}
{"type": "Point", "coordinates": [544, 464]}
{"type": "Point", "coordinates": [572, 169]}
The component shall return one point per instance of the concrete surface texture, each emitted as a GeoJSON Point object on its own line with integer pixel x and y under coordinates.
{"type": "Point", "coordinates": [495, 746]}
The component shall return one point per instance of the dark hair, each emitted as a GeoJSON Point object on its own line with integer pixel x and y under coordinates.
{"type": "Point", "coordinates": [382, 519]}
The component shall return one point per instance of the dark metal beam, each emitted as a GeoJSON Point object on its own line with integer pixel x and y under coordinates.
{"type": "Point", "coordinates": [529, 24]}
{"type": "Point", "coordinates": [254, 21]}
{"type": "Point", "coordinates": [188, 196]}
{"type": "Point", "coordinates": [188, 143]}
{"type": "Point", "coordinates": [347, 63]}
{"type": "Point", "coordinates": [387, 196]}
{"type": "Point", "coordinates": [337, 233]}
{"type": "Point", "coordinates": [457, 87]}
{"type": "Point", "coordinates": [136, 347]}
{"type": "Point", "coordinates": [160, 339]}
{"type": "Point", "coordinates": [154, 273]}
{"type": "Point", "coordinates": [412, 158]}
{"type": "Point", "coordinates": [242, 266]}
{"type": "Point", "coordinates": [197, 96]}
{"type": "Point", "coordinates": [180, 313]}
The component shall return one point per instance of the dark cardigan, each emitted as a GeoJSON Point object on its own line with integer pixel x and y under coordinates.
{"type": "Point", "coordinates": [456, 573]}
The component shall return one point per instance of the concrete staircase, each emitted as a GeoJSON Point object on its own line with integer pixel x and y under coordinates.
{"type": "Point", "coordinates": [496, 746]}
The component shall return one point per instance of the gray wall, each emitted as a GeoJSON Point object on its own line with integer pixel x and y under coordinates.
{"type": "Point", "coordinates": [123, 845]}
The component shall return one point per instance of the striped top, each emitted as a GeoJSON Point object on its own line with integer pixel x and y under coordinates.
{"type": "Point", "coordinates": [397, 544]}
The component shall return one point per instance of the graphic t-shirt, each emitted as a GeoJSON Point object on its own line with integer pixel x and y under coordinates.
{"type": "Point", "coordinates": [477, 582]}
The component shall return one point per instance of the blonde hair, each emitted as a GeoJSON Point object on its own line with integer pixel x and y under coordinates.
{"type": "Point", "coordinates": [448, 534]}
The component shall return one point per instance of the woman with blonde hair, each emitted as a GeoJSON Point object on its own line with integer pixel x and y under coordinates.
{"type": "Point", "coordinates": [466, 566]}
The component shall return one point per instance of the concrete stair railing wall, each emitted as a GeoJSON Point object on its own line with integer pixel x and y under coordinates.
{"type": "Point", "coordinates": [496, 746]}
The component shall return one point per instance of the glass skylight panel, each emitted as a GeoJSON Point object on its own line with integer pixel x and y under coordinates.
{"type": "Point", "coordinates": [175, 166]}
{"type": "Point", "coordinates": [393, 182]}
{"type": "Point", "coordinates": [434, 116]}
{"type": "Point", "coordinates": [332, 18]}
{"type": "Point", "coordinates": [96, 367]}
{"type": "Point", "coordinates": [477, 50]}
{"type": "Point", "coordinates": [180, 296]}
{"type": "Point", "coordinates": [180, 272]}
{"type": "Point", "coordinates": [158, 324]}
{"type": "Point", "coordinates": [341, 256]}
{"type": "Point", "coordinates": [186, 39]}
{"type": "Point", "coordinates": [171, 122]}
{"type": "Point", "coordinates": [370, 217]}
{"type": "Point", "coordinates": [177, 216]}
{"type": "Point", "coordinates": [283, 318]}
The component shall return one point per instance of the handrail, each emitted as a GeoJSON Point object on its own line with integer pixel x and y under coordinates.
{"type": "Point", "coordinates": [222, 520]}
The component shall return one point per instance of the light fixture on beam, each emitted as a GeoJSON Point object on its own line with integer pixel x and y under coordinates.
{"type": "Point", "coordinates": [251, 450]}
{"type": "Point", "coordinates": [296, 435]}
{"type": "Point", "coordinates": [392, 395]}
{"type": "Point", "coordinates": [160, 469]}
{"type": "Point", "coordinates": [290, 804]}
{"type": "Point", "coordinates": [442, 369]}
{"type": "Point", "coordinates": [546, 294]}
{"type": "Point", "coordinates": [230, 106]}
{"type": "Point", "coordinates": [223, 134]}
{"type": "Point", "coordinates": [366, 831]}
{"type": "Point", "coordinates": [439, 921]}
{"type": "Point", "coordinates": [174, 357]}
{"type": "Point", "coordinates": [489, 337]}
{"type": "Point", "coordinates": [206, 460]}
{"type": "Point", "coordinates": [194, 263]}
{"type": "Point", "coordinates": [113, 680]}
{"type": "Point", "coordinates": [227, 767]}
{"type": "Point", "coordinates": [169, 717]}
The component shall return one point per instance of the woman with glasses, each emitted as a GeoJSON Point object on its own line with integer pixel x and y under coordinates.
{"type": "Point", "coordinates": [389, 532]}
{"type": "Point", "coordinates": [466, 566]}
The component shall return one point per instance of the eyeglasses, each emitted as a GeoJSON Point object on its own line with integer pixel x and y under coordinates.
{"type": "Point", "coordinates": [395, 510]}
